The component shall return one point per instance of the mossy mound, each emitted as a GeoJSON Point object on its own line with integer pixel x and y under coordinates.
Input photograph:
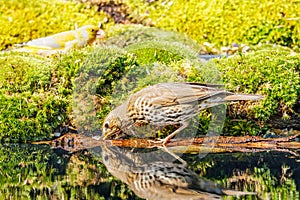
{"type": "Point", "coordinates": [224, 22]}
{"type": "Point", "coordinates": [96, 79]}
{"type": "Point", "coordinates": [268, 70]}
{"type": "Point", "coordinates": [39, 95]}
{"type": "Point", "coordinates": [126, 35]}
{"type": "Point", "coordinates": [273, 73]}
{"type": "Point", "coordinates": [21, 21]}
{"type": "Point", "coordinates": [24, 73]}
{"type": "Point", "coordinates": [29, 108]}
{"type": "Point", "coordinates": [80, 87]}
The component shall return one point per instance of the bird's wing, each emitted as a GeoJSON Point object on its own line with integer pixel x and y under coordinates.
{"type": "Point", "coordinates": [225, 95]}
{"type": "Point", "coordinates": [57, 41]}
{"type": "Point", "coordinates": [207, 84]}
{"type": "Point", "coordinates": [168, 94]}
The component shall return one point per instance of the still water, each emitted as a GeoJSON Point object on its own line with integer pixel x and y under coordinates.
{"type": "Point", "coordinates": [110, 172]}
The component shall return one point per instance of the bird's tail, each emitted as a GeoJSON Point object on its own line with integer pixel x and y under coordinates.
{"type": "Point", "coordinates": [237, 193]}
{"type": "Point", "coordinates": [243, 97]}
{"type": "Point", "coordinates": [212, 187]}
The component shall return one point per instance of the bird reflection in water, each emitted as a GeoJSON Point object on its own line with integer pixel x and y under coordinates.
{"type": "Point", "coordinates": [157, 175]}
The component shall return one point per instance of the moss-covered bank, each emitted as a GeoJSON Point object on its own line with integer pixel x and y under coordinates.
{"type": "Point", "coordinates": [38, 94]}
{"type": "Point", "coordinates": [41, 95]}
{"type": "Point", "coordinates": [224, 22]}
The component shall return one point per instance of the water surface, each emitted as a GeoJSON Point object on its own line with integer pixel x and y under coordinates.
{"type": "Point", "coordinates": [107, 172]}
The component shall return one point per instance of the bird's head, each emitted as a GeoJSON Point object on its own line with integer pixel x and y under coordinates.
{"type": "Point", "coordinates": [111, 127]}
{"type": "Point", "coordinates": [91, 32]}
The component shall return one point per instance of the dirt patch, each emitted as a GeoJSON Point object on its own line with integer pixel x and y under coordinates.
{"type": "Point", "coordinates": [115, 9]}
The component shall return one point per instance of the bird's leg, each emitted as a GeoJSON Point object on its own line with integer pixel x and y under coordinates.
{"type": "Point", "coordinates": [183, 162]}
{"type": "Point", "coordinates": [164, 141]}
{"type": "Point", "coordinates": [169, 137]}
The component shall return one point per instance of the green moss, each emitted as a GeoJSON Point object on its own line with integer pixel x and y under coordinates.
{"type": "Point", "coordinates": [23, 72]}
{"type": "Point", "coordinates": [65, 68]}
{"type": "Point", "coordinates": [21, 21]}
{"type": "Point", "coordinates": [161, 55]}
{"type": "Point", "coordinates": [95, 82]}
{"type": "Point", "coordinates": [224, 22]}
{"type": "Point", "coordinates": [40, 94]}
{"type": "Point", "coordinates": [29, 111]}
{"type": "Point", "coordinates": [272, 73]}
{"type": "Point", "coordinates": [126, 35]}
{"type": "Point", "coordinates": [30, 117]}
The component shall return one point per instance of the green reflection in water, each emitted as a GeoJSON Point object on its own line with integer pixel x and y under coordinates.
{"type": "Point", "coordinates": [272, 175]}
{"type": "Point", "coordinates": [39, 172]}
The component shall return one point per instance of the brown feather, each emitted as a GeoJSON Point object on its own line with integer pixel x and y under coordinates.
{"type": "Point", "coordinates": [243, 97]}
{"type": "Point", "coordinates": [168, 94]}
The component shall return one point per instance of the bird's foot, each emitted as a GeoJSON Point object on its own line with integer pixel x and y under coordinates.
{"type": "Point", "coordinates": [159, 142]}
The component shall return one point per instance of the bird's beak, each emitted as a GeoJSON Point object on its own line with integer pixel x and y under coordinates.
{"type": "Point", "coordinates": [109, 134]}
{"type": "Point", "coordinates": [100, 34]}
{"type": "Point", "coordinates": [104, 137]}
{"type": "Point", "coordinates": [100, 25]}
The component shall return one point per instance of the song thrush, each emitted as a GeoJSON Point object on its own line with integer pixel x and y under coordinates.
{"type": "Point", "coordinates": [160, 179]}
{"type": "Point", "coordinates": [166, 104]}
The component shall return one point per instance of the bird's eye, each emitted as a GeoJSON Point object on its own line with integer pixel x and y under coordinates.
{"type": "Point", "coordinates": [106, 158]}
{"type": "Point", "coordinates": [106, 125]}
